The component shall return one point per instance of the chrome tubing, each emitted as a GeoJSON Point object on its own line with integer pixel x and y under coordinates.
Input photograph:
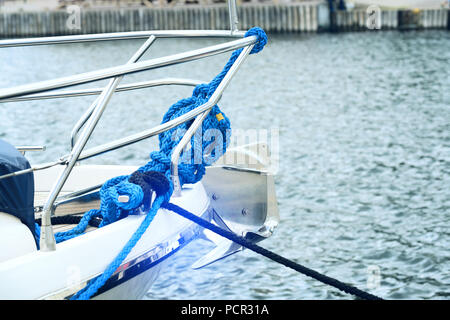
{"type": "Point", "coordinates": [119, 143]}
{"type": "Point", "coordinates": [234, 21]}
{"type": "Point", "coordinates": [84, 118]}
{"type": "Point", "coordinates": [199, 120]}
{"type": "Point", "coordinates": [47, 239]}
{"type": "Point", "coordinates": [23, 149]}
{"type": "Point", "coordinates": [82, 121]}
{"type": "Point", "coordinates": [126, 69]}
{"type": "Point", "coordinates": [30, 148]}
{"type": "Point", "coordinates": [145, 134]}
{"type": "Point", "coordinates": [119, 36]}
{"type": "Point", "coordinates": [97, 91]}
{"type": "Point", "coordinates": [38, 167]}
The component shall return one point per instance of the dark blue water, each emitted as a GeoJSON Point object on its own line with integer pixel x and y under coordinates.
{"type": "Point", "coordinates": [363, 183]}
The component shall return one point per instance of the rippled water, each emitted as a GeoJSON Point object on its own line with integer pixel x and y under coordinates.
{"type": "Point", "coordinates": [364, 173]}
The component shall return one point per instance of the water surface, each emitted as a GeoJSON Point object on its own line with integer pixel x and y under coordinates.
{"type": "Point", "coordinates": [364, 173]}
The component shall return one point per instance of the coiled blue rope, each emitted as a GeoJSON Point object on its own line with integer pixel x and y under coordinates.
{"type": "Point", "coordinates": [189, 171]}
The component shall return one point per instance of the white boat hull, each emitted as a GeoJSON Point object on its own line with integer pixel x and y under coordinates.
{"type": "Point", "coordinates": [61, 273]}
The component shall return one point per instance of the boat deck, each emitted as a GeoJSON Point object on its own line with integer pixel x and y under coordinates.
{"type": "Point", "coordinates": [67, 208]}
{"type": "Point", "coordinates": [77, 208]}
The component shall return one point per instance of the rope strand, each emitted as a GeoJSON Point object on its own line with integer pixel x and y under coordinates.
{"type": "Point", "coordinates": [191, 172]}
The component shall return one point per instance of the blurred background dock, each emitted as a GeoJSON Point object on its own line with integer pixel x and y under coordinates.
{"type": "Point", "coordinates": [29, 18]}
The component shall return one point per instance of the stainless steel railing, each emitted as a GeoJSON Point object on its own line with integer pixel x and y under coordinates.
{"type": "Point", "coordinates": [96, 91]}
{"type": "Point", "coordinates": [86, 124]}
{"type": "Point", "coordinates": [120, 36]}
{"type": "Point", "coordinates": [125, 69]}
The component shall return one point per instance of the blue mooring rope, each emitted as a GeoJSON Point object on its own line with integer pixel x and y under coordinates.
{"type": "Point", "coordinates": [112, 210]}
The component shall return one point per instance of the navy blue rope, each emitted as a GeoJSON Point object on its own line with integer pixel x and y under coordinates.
{"type": "Point", "coordinates": [271, 255]}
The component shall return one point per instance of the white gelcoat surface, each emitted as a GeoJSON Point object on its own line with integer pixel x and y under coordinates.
{"type": "Point", "coordinates": [39, 274]}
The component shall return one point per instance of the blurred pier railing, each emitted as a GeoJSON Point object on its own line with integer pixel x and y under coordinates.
{"type": "Point", "coordinates": [302, 16]}
{"type": "Point", "coordinates": [360, 20]}
{"type": "Point", "coordinates": [165, 3]}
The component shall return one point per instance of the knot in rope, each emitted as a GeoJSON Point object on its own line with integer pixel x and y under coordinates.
{"type": "Point", "coordinates": [149, 182]}
{"type": "Point", "coordinates": [155, 176]}
{"type": "Point", "coordinates": [204, 149]}
{"type": "Point", "coordinates": [262, 38]}
{"type": "Point", "coordinates": [134, 193]}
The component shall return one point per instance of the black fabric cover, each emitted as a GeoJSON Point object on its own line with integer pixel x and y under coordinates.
{"type": "Point", "coordinates": [16, 193]}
